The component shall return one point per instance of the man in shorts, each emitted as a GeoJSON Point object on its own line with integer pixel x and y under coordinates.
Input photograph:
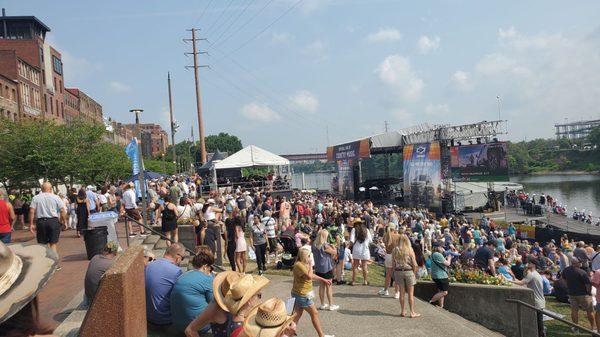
{"type": "Point", "coordinates": [580, 291]}
{"type": "Point", "coordinates": [49, 211]}
{"type": "Point", "coordinates": [129, 207]}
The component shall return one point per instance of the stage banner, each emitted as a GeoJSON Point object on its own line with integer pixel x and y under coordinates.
{"type": "Point", "coordinates": [132, 152]}
{"type": "Point", "coordinates": [345, 178]}
{"type": "Point", "coordinates": [479, 162]}
{"type": "Point", "coordinates": [349, 151]}
{"type": "Point", "coordinates": [422, 174]}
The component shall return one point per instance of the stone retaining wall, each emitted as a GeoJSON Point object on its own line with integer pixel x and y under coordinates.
{"type": "Point", "coordinates": [486, 305]}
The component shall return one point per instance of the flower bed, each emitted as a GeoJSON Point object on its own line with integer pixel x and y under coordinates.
{"type": "Point", "coordinates": [474, 276]}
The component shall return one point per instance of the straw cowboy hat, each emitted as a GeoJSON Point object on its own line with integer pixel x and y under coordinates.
{"type": "Point", "coordinates": [269, 319]}
{"type": "Point", "coordinates": [242, 290]}
{"type": "Point", "coordinates": [221, 284]}
{"type": "Point", "coordinates": [24, 270]}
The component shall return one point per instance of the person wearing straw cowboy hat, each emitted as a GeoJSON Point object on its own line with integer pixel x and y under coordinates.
{"type": "Point", "coordinates": [24, 271]}
{"type": "Point", "coordinates": [269, 319]}
{"type": "Point", "coordinates": [234, 295]}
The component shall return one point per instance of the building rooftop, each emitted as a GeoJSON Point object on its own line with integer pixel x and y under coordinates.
{"type": "Point", "coordinates": [24, 18]}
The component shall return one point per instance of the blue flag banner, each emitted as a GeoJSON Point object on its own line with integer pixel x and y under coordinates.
{"type": "Point", "coordinates": [132, 152]}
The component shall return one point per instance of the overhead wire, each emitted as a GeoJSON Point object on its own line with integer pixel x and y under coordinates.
{"type": "Point", "coordinates": [250, 2]}
{"type": "Point", "coordinates": [219, 17]}
{"type": "Point", "coordinates": [296, 4]}
{"type": "Point", "coordinates": [203, 12]}
{"type": "Point", "coordinates": [247, 22]}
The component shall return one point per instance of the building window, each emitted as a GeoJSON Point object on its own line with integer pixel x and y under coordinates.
{"type": "Point", "coordinates": [57, 65]}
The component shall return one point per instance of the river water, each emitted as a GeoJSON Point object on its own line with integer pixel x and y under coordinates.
{"type": "Point", "coordinates": [581, 191]}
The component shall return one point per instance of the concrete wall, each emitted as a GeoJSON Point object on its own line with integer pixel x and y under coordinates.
{"type": "Point", "coordinates": [486, 305]}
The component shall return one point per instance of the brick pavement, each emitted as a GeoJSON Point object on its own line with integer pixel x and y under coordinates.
{"type": "Point", "coordinates": [67, 282]}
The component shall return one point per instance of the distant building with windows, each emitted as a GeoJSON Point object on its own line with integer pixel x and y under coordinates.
{"type": "Point", "coordinates": [9, 102]}
{"type": "Point", "coordinates": [36, 68]}
{"type": "Point", "coordinates": [576, 130]}
{"type": "Point", "coordinates": [154, 139]}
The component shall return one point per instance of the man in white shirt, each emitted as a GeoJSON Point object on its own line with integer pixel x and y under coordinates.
{"type": "Point", "coordinates": [49, 211]}
{"type": "Point", "coordinates": [129, 207]}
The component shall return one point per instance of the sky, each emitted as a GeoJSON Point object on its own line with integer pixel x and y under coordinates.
{"type": "Point", "coordinates": [293, 76]}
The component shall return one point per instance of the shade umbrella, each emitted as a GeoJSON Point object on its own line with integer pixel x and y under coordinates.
{"type": "Point", "coordinates": [148, 175]}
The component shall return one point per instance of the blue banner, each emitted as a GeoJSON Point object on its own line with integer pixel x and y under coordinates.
{"type": "Point", "coordinates": [132, 152]}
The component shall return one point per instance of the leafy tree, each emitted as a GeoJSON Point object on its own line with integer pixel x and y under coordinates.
{"type": "Point", "coordinates": [223, 142]}
{"type": "Point", "coordinates": [594, 136]}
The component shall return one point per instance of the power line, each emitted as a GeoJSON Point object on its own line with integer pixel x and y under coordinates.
{"type": "Point", "coordinates": [266, 27]}
{"type": "Point", "coordinates": [218, 17]}
{"type": "Point", "coordinates": [275, 92]}
{"type": "Point", "coordinates": [246, 22]}
{"type": "Point", "coordinates": [234, 20]}
{"type": "Point", "coordinates": [203, 12]}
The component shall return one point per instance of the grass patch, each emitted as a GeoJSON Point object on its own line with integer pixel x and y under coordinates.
{"type": "Point", "coordinates": [559, 329]}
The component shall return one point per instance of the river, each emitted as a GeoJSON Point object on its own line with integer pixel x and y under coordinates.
{"type": "Point", "coordinates": [581, 191]}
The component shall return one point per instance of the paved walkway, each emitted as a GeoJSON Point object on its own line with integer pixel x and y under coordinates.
{"type": "Point", "coordinates": [363, 313]}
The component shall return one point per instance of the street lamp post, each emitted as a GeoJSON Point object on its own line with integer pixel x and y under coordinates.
{"type": "Point", "coordinates": [141, 177]}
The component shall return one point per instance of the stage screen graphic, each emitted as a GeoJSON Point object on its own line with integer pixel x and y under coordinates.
{"type": "Point", "coordinates": [422, 174]}
{"type": "Point", "coordinates": [479, 162]}
{"type": "Point", "coordinates": [345, 178]}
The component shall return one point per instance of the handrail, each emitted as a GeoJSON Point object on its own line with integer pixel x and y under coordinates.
{"type": "Point", "coordinates": [192, 253]}
{"type": "Point", "coordinates": [547, 313]}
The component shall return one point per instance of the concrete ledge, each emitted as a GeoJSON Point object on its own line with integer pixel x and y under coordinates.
{"type": "Point", "coordinates": [486, 305]}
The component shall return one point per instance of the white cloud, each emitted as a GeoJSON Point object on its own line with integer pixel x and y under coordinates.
{"type": "Point", "coordinates": [428, 44]}
{"type": "Point", "coordinates": [385, 35]}
{"type": "Point", "coordinates": [542, 78]}
{"type": "Point", "coordinates": [260, 112]}
{"type": "Point", "coordinates": [395, 71]}
{"type": "Point", "coordinates": [437, 109]}
{"type": "Point", "coordinates": [508, 33]}
{"type": "Point", "coordinates": [280, 38]}
{"type": "Point", "coordinates": [119, 87]}
{"type": "Point", "coordinates": [305, 101]}
{"type": "Point", "coordinates": [461, 80]}
{"type": "Point", "coordinates": [317, 50]}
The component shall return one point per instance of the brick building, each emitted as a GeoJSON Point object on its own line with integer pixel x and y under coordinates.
{"type": "Point", "coordinates": [89, 110]}
{"type": "Point", "coordinates": [9, 106]}
{"type": "Point", "coordinates": [154, 139]}
{"type": "Point", "coordinates": [37, 68]}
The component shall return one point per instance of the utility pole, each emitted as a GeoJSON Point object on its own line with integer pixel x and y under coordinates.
{"type": "Point", "coordinates": [498, 98]}
{"type": "Point", "coordinates": [385, 123]}
{"type": "Point", "coordinates": [172, 121]}
{"type": "Point", "coordinates": [198, 96]}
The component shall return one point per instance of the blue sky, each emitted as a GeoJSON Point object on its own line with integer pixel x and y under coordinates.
{"type": "Point", "coordinates": [284, 72]}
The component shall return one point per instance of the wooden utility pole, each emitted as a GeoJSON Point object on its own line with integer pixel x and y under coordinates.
{"type": "Point", "coordinates": [198, 96]}
{"type": "Point", "coordinates": [171, 117]}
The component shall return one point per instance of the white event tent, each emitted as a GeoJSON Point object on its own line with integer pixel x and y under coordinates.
{"type": "Point", "coordinates": [251, 156]}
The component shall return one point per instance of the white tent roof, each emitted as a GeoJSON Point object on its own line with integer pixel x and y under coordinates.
{"type": "Point", "coordinates": [251, 156]}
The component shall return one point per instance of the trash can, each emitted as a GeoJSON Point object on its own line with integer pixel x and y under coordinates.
{"type": "Point", "coordinates": [95, 240]}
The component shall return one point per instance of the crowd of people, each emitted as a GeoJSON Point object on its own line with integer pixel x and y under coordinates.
{"type": "Point", "coordinates": [320, 237]}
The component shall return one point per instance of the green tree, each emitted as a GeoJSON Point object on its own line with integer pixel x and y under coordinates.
{"type": "Point", "coordinates": [594, 136]}
{"type": "Point", "coordinates": [223, 142]}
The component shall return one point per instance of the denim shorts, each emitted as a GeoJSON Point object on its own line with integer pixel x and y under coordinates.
{"type": "Point", "coordinates": [302, 301]}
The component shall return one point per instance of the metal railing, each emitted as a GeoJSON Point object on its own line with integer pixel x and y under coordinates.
{"type": "Point", "coordinates": [128, 218]}
{"type": "Point", "coordinates": [547, 313]}
{"type": "Point", "coordinates": [217, 266]}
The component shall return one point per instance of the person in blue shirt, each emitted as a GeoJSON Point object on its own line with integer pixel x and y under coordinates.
{"type": "Point", "coordinates": [546, 277]}
{"type": "Point", "coordinates": [93, 198]}
{"type": "Point", "coordinates": [160, 277]}
{"type": "Point", "coordinates": [193, 291]}
{"type": "Point", "coordinates": [504, 270]}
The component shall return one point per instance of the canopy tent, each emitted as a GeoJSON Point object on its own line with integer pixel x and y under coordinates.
{"type": "Point", "coordinates": [218, 155]}
{"type": "Point", "coordinates": [251, 156]}
{"type": "Point", "coordinates": [148, 175]}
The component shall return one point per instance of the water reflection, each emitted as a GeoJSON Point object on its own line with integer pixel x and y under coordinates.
{"type": "Point", "coordinates": [581, 191]}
